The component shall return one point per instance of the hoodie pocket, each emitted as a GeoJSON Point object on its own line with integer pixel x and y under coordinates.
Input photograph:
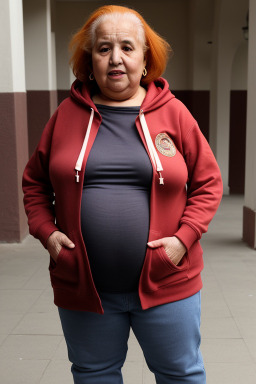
{"type": "Point", "coordinates": [159, 270]}
{"type": "Point", "coordinates": [64, 272]}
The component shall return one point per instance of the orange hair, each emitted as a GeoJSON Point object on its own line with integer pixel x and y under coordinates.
{"type": "Point", "coordinates": [156, 54]}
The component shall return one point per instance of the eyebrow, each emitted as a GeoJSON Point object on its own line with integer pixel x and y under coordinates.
{"type": "Point", "coordinates": [102, 42]}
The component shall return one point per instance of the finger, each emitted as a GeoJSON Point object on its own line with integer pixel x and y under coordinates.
{"type": "Point", "coordinates": [66, 242]}
{"type": "Point", "coordinates": [155, 243]}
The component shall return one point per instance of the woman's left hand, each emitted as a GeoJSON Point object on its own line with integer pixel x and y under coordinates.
{"type": "Point", "coordinates": [174, 248]}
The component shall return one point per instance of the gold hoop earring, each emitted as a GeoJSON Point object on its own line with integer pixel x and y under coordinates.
{"type": "Point", "coordinates": [144, 73]}
{"type": "Point", "coordinates": [91, 76]}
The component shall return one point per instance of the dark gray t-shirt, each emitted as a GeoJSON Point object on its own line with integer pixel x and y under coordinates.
{"type": "Point", "coordinates": [115, 201]}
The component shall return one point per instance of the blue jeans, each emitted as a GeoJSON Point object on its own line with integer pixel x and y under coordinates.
{"type": "Point", "coordinates": [168, 334]}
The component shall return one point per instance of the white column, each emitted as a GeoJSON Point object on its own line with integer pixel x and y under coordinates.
{"type": "Point", "coordinates": [220, 95]}
{"type": "Point", "coordinates": [227, 37]}
{"type": "Point", "coordinates": [40, 60]}
{"type": "Point", "coordinates": [39, 45]}
{"type": "Point", "coordinates": [12, 67]}
{"type": "Point", "coordinates": [13, 123]}
{"type": "Point", "coordinates": [249, 227]}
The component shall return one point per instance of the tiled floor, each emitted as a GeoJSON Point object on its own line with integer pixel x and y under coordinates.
{"type": "Point", "coordinates": [32, 349]}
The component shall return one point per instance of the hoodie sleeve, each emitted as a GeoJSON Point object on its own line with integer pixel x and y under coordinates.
{"type": "Point", "coordinates": [37, 188]}
{"type": "Point", "coordinates": [204, 188]}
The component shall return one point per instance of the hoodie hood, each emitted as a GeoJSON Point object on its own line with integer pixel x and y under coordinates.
{"type": "Point", "coordinates": [158, 94]}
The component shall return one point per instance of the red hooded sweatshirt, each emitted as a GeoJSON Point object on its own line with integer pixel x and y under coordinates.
{"type": "Point", "coordinates": [185, 193]}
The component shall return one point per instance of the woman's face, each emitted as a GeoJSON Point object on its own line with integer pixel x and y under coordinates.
{"type": "Point", "coordinates": [118, 59]}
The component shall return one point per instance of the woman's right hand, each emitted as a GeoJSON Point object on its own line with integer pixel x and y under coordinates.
{"type": "Point", "coordinates": [56, 241]}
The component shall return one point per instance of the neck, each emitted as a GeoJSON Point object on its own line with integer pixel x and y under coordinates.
{"type": "Point", "coordinates": [133, 101]}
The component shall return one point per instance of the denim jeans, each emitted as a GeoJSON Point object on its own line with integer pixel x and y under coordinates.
{"type": "Point", "coordinates": [168, 334]}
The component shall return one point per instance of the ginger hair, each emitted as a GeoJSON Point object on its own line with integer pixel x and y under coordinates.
{"type": "Point", "coordinates": [156, 48]}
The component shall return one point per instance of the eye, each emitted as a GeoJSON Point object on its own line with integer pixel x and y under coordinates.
{"type": "Point", "coordinates": [127, 49]}
{"type": "Point", "coordinates": [104, 49]}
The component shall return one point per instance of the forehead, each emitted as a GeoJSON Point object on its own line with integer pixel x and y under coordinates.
{"type": "Point", "coordinates": [117, 29]}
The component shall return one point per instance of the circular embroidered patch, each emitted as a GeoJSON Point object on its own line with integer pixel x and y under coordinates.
{"type": "Point", "coordinates": [165, 145]}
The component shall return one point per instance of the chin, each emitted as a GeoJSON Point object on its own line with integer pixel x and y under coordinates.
{"type": "Point", "coordinates": [117, 91]}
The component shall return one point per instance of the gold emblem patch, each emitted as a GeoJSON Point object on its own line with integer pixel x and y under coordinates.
{"type": "Point", "coordinates": [165, 145]}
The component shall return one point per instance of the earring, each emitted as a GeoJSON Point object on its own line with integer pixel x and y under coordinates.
{"type": "Point", "coordinates": [91, 76]}
{"type": "Point", "coordinates": [144, 73]}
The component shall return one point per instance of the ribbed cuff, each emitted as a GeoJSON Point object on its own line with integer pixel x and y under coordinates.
{"type": "Point", "coordinates": [44, 231]}
{"type": "Point", "coordinates": [186, 235]}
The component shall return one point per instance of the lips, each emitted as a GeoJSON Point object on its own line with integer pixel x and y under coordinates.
{"type": "Point", "coordinates": [116, 72]}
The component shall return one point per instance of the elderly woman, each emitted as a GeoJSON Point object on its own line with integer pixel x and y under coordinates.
{"type": "Point", "coordinates": [135, 185]}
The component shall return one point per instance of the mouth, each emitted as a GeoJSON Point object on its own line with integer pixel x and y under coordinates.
{"type": "Point", "coordinates": [116, 73]}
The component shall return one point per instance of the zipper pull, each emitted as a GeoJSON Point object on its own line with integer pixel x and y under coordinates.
{"type": "Point", "coordinates": [77, 177]}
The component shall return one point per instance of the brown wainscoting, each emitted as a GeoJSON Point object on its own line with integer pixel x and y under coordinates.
{"type": "Point", "coordinates": [237, 141]}
{"type": "Point", "coordinates": [198, 103]}
{"type": "Point", "coordinates": [40, 106]}
{"type": "Point", "coordinates": [249, 226]}
{"type": "Point", "coordinates": [14, 156]}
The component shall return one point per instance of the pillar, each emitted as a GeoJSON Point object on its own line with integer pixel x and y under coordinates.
{"type": "Point", "coordinates": [40, 59]}
{"type": "Point", "coordinates": [227, 37]}
{"type": "Point", "coordinates": [13, 122]}
{"type": "Point", "coordinates": [249, 210]}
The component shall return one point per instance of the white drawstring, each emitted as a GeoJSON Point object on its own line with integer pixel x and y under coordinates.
{"type": "Point", "coordinates": [80, 159]}
{"type": "Point", "coordinates": [153, 153]}
{"type": "Point", "coordinates": [151, 147]}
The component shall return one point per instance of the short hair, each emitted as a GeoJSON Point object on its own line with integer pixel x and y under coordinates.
{"type": "Point", "coordinates": [156, 48]}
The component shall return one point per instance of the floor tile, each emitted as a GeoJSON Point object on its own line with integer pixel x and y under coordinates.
{"type": "Point", "coordinates": [241, 302]}
{"type": "Point", "coordinates": [29, 347]}
{"type": "Point", "coordinates": [148, 376]}
{"type": "Point", "coordinates": [57, 372]}
{"type": "Point", "coordinates": [224, 373]}
{"type": "Point", "coordinates": [39, 324]}
{"type": "Point", "coordinates": [134, 351]}
{"type": "Point", "coordinates": [251, 345]}
{"type": "Point", "coordinates": [220, 328]}
{"type": "Point", "coordinates": [246, 326]}
{"type": "Point", "coordinates": [2, 338]}
{"type": "Point", "coordinates": [225, 351]}
{"type": "Point", "coordinates": [8, 321]}
{"type": "Point", "coordinates": [132, 372]}
{"type": "Point", "coordinates": [61, 352]}
{"type": "Point", "coordinates": [22, 371]}
{"type": "Point", "coordinates": [214, 305]}
{"type": "Point", "coordinates": [8, 281]}
{"type": "Point", "coordinates": [44, 303]}
{"type": "Point", "coordinates": [17, 301]}
{"type": "Point", "coordinates": [19, 266]}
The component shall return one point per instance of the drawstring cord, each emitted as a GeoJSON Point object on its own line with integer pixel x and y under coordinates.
{"type": "Point", "coordinates": [80, 159]}
{"type": "Point", "coordinates": [152, 151]}
{"type": "Point", "coordinates": [151, 147]}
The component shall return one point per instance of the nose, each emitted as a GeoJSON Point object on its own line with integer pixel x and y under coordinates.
{"type": "Point", "coordinates": [115, 57]}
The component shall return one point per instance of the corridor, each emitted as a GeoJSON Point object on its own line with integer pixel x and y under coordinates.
{"type": "Point", "coordinates": [32, 348]}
